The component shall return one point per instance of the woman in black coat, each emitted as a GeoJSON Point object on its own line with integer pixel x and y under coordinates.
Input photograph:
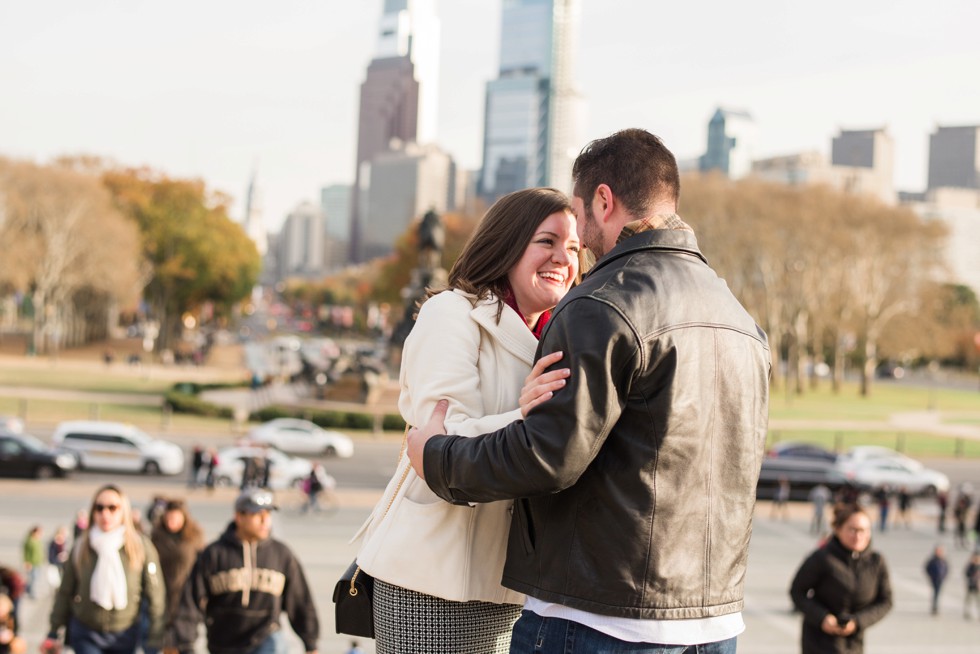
{"type": "Point", "coordinates": [843, 587]}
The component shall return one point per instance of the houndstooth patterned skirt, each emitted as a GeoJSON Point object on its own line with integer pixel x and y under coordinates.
{"type": "Point", "coordinates": [407, 622]}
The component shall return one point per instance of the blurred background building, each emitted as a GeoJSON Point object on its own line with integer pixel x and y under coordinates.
{"type": "Point", "coordinates": [299, 245]}
{"type": "Point", "coordinates": [335, 203]}
{"type": "Point", "coordinates": [405, 182]}
{"type": "Point", "coordinates": [398, 97]}
{"type": "Point", "coordinates": [732, 138]}
{"type": "Point", "coordinates": [954, 157]}
{"type": "Point", "coordinates": [534, 113]}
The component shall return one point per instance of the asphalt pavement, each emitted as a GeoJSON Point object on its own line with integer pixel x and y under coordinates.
{"type": "Point", "coordinates": [320, 542]}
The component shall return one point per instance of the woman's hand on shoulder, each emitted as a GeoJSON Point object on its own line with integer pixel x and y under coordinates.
{"type": "Point", "coordinates": [540, 386]}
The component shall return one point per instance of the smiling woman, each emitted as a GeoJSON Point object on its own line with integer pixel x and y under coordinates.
{"type": "Point", "coordinates": [437, 567]}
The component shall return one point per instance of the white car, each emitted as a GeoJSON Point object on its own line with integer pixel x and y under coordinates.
{"type": "Point", "coordinates": [287, 471]}
{"type": "Point", "coordinates": [895, 473]}
{"type": "Point", "coordinates": [860, 453]}
{"type": "Point", "coordinates": [118, 446]}
{"type": "Point", "coordinates": [294, 435]}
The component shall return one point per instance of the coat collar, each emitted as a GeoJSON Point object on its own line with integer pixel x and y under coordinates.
{"type": "Point", "coordinates": [664, 240]}
{"type": "Point", "coordinates": [511, 332]}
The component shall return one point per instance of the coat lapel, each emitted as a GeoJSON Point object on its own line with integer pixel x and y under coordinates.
{"type": "Point", "coordinates": [511, 333]}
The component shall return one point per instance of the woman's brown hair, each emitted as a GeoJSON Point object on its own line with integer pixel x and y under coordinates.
{"type": "Point", "coordinates": [843, 512]}
{"type": "Point", "coordinates": [500, 240]}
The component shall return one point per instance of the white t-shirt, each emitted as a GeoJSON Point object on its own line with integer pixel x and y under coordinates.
{"type": "Point", "coordinates": [696, 631]}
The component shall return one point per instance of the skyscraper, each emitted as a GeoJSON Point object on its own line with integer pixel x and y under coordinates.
{"type": "Point", "coordinates": [731, 143]}
{"type": "Point", "coordinates": [954, 157]}
{"type": "Point", "coordinates": [533, 120]}
{"type": "Point", "coordinates": [252, 221]}
{"type": "Point", "coordinates": [399, 95]}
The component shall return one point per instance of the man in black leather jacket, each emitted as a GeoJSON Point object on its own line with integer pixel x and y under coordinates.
{"type": "Point", "coordinates": [635, 483]}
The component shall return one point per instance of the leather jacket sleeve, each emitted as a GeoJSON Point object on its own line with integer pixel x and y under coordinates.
{"type": "Point", "coordinates": [549, 450]}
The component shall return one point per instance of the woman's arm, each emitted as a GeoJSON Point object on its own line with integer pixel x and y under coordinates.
{"type": "Point", "coordinates": [441, 361]}
{"type": "Point", "coordinates": [806, 579]}
{"type": "Point", "coordinates": [882, 604]}
{"type": "Point", "coordinates": [154, 592]}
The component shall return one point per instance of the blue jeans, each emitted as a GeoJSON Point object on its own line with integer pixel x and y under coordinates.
{"type": "Point", "coordinates": [85, 640]}
{"type": "Point", "coordinates": [274, 644]}
{"type": "Point", "coordinates": [536, 635]}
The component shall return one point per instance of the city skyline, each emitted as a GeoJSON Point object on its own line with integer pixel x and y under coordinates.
{"type": "Point", "coordinates": [216, 90]}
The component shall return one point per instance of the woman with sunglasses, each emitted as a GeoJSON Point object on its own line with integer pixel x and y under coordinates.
{"type": "Point", "coordinates": [111, 570]}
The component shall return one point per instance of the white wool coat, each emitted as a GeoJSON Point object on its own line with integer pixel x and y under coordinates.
{"type": "Point", "coordinates": [457, 351]}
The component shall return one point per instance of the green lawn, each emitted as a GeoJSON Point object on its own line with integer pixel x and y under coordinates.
{"type": "Point", "coordinates": [885, 399]}
{"type": "Point", "coordinates": [110, 380]}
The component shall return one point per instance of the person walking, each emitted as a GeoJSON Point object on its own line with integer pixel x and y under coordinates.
{"type": "Point", "coordinates": [240, 584]}
{"type": "Point", "coordinates": [211, 478]}
{"type": "Point", "coordinates": [961, 509]}
{"type": "Point", "coordinates": [904, 504]}
{"type": "Point", "coordinates": [780, 501]}
{"type": "Point", "coordinates": [58, 555]}
{"type": "Point", "coordinates": [626, 472]}
{"type": "Point", "coordinates": [33, 551]}
{"type": "Point", "coordinates": [819, 496]}
{"type": "Point", "coordinates": [883, 499]}
{"type": "Point", "coordinates": [972, 574]}
{"type": "Point", "coordinates": [178, 539]}
{"type": "Point", "coordinates": [437, 567]}
{"type": "Point", "coordinates": [112, 570]}
{"type": "Point", "coordinates": [10, 642]}
{"type": "Point", "coordinates": [842, 588]}
{"type": "Point", "coordinates": [316, 484]}
{"type": "Point", "coordinates": [942, 501]}
{"type": "Point", "coordinates": [12, 585]}
{"type": "Point", "coordinates": [197, 465]}
{"type": "Point", "coordinates": [937, 567]}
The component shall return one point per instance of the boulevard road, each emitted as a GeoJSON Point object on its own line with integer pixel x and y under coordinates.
{"type": "Point", "coordinates": [778, 547]}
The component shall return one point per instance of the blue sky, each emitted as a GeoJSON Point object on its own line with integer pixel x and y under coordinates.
{"type": "Point", "coordinates": [214, 88]}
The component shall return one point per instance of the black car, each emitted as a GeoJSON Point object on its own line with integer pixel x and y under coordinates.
{"type": "Point", "coordinates": [801, 450]}
{"type": "Point", "coordinates": [803, 465]}
{"type": "Point", "coordinates": [22, 455]}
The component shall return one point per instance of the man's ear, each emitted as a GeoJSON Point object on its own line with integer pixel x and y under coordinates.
{"type": "Point", "coordinates": [603, 203]}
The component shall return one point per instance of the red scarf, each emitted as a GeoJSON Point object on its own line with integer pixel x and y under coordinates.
{"type": "Point", "coordinates": [511, 301]}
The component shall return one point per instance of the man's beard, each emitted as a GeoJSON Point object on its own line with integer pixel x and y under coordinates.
{"type": "Point", "coordinates": [592, 233]}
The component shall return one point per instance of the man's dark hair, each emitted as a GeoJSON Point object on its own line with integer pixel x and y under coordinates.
{"type": "Point", "coordinates": [635, 164]}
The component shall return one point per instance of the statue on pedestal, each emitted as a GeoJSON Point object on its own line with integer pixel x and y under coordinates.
{"type": "Point", "coordinates": [428, 273]}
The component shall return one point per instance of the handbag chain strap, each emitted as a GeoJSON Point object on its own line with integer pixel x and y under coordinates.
{"type": "Point", "coordinates": [391, 500]}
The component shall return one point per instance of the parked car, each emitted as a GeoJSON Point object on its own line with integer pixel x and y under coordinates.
{"type": "Point", "coordinates": [895, 472]}
{"type": "Point", "coordinates": [294, 435]}
{"type": "Point", "coordinates": [287, 471]}
{"type": "Point", "coordinates": [800, 450]}
{"type": "Point", "coordinates": [860, 453]}
{"type": "Point", "coordinates": [803, 473]}
{"type": "Point", "coordinates": [118, 446]}
{"type": "Point", "coordinates": [23, 455]}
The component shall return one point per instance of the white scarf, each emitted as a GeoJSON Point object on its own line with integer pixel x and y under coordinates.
{"type": "Point", "coordinates": [108, 585]}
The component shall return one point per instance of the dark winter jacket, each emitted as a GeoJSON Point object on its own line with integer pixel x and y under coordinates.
{"type": "Point", "coordinates": [937, 568]}
{"type": "Point", "coordinates": [73, 598]}
{"type": "Point", "coordinates": [852, 585]}
{"type": "Point", "coordinates": [177, 551]}
{"type": "Point", "coordinates": [241, 588]}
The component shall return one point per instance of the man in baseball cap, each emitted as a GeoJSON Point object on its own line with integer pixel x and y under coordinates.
{"type": "Point", "coordinates": [241, 583]}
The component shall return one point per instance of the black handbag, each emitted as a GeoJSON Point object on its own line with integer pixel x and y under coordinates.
{"type": "Point", "coordinates": [353, 596]}
{"type": "Point", "coordinates": [354, 593]}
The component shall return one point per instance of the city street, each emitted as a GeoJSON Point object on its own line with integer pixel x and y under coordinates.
{"type": "Point", "coordinates": [778, 547]}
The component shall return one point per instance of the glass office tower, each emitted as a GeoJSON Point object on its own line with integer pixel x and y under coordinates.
{"type": "Point", "coordinates": [532, 129]}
